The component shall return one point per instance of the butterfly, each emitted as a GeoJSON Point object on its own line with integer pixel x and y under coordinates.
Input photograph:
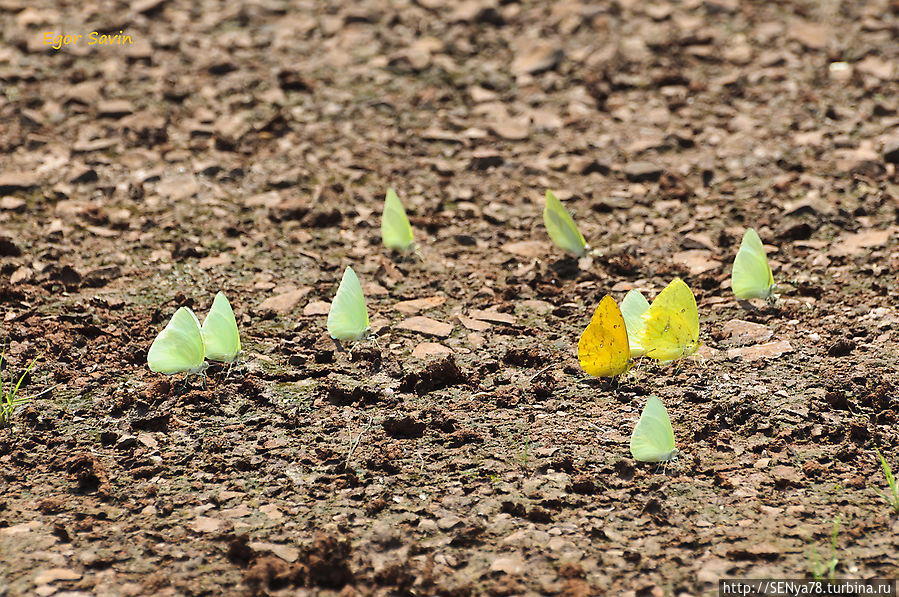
{"type": "Point", "coordinates": [220, 333]}
{"type": "Point", "coordinates": [603, 348]}
{"type": "Point", "coordinates": [633, 307]}
{"type": "Point", "coordinates": [653, 438]}
{"type": "Point", "coordinates": [396, 233]}
{"type": "Point", "coordinates": [561, 227]}
{"type": "Point", "coordinates": [348, 317]}
{"type": "Point", "coordinates": [671, 324]}
{"type": "Point", "coordinates": [179, 347]}
{"type": "Point", "coordinates": [751, 276]}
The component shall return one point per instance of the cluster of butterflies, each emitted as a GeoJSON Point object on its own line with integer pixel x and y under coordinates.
{"type": "Point", "coordinates": [184, 345]}
{"type": "Point", "coordinates": [665, 330]}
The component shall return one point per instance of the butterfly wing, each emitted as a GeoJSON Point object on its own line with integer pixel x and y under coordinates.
{"type": "Point", "coordinates": [633, 307]}
{"type": "Point", "coordinates": [603, 348]}
{"type": "Point", "coordinates": [220, 331]}
{"type": "Point", "coordinates": [653, 437]}
{"type": "Point", "coordinates": [561, 227]}
{"type": "Point", "coordinates": [179, 347]}
{"type": "Point", "coordinates": [751, 275]}
{"type": "Point", "coordinates": [348, 316]}
{"type": "Point", "coordinates": [396, 233]}
{"type": "Point", "coordinates": [678, 297]}
{"type": "Point", "coordinates": [666, 335]}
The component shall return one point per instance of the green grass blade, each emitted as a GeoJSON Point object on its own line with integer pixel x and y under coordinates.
{"type": "Point", "coordinates": [22, 377]}
{"type": "Point", "coordinates": [891, 481]}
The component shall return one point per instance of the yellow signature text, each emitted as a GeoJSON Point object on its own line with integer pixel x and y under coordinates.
{"type": "Point", "coordinates": [94, 38]}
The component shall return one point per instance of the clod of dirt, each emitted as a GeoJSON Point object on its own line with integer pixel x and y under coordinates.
{"type": "Point", "coordinates": [290, 80]}
{"type": "Point", "coordinates": [160, 388]}
{"type": "Point", "coordinates": [37, 419]}
{"type": "Point", "coordinates": [813, 469]}
{"type": "Point", "coordinates": [583, 485]}
{"type": "Point", "coordinates": [785, 476]}
{"type": "Point", "coordinates": [623, 264]}
{"type": "Point", "coordinates": [289, 208]}
{"type": "Point", "coordinates": [441, 420]}
{"type": "Point", "coordinates": [328, 561]}
{"type": "Point", "coordinates": [101, 276]}
{"type": "Point", "coordinates": [436, 374]}
{"type": "Point", "coordinates": [252, 388]}
{"type": "Point", "coordinates": [155, 422]}
{"type": "Point", "coordinates": [8, 248]}
{"type": "Point", "coordinates": [468, 536]}
{"type": "Point", "coordinates": [523, 357]}
{"type": "Point", "coordinates": [642, 172]}
{"type": "Point", "coordinates": [239, 551]}
{"type": "Point", "coordinates": [367, 355]}
{"type": "Point", "coordinates": [375, 506]}
{"type": "Point", "coordinates": [859, 432]}
{"type": "Point", "coordinates": [625, 469]}
{"type": "Point", "coordinates": [841, 348]}
{"type": "Point", "coordinates": [795, 231]}
{"type": "Point", "coordinates": [52, 505]}
{"type": "Point", "coordinates": [513, 508]}
{"type": "Point", "coordinates": [538, 514]}
{"type": "Point", "coordinates": [322, 218]}
{"type": "Point", "coordinates": [891, 150]}
{"type": "Point", "coordinates": [344, 392]}
{"type": "Point", "coordinates": [672, 186]}
{"type": "Point", "coordinates": [403, 427]}
{"type": "Point", "coordinates": [461, 437]}
{"type": "Point", "coordinates": [483, 159]}
{"type": "Point", "coordinates": [272, 573]}
{"type": "Point", "coordinates": [66, 275]}
{"type": "Point", "coordinates": [89, 474]}
{"type": "Point", "coordinates": [837, 399]}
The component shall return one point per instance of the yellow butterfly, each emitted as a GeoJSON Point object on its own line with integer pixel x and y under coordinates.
{"type": "Point", "coordinates": [603, 349]}
{"type": "Point", "coordinates": [671, 328]}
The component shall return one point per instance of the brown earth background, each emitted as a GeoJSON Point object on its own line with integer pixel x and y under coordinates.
{"type": "Point", "coordinates": [247, 147]}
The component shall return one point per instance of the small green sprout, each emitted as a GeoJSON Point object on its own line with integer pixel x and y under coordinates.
{"type": "Point", "coordinates": [10, 399]}
{"type": "Point", "coordinates": [893, 496]}
{"type": "Point", "coordinates": [829, 567]}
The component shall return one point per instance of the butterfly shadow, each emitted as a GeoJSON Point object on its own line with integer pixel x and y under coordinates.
{"type": "Point", "coordinates": [237, 366]}
{"type": "Point", "coordinates": [566, 268]}
{"type": "Point", "coordinates": [362, 351]}
{"type": "Point", "coordinates": [186, 386]}
{"type": "Point", "coordinates": [661, 468]}
{"type": "Point", "coordinates": [613, 385]}
{"type": "Point", "coordinates": [770, 306]}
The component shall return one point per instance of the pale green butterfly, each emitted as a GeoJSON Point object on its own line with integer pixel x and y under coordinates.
{"type": "Point", "coordinates": [653, 437]}
{"type": "Point", "coordinates": [220, 332]}
{"type": "Point", "coordinates": [633, 307]}
{"type": "Point", "coordinates": [561, 227]}
{"type": "Point", "coordinates": [348, 317]}
{"type": "Point", "coordinates": [396, 233]}
{"type": "Point", "coordinates": [179, 347]}
{"type": "Point", "coordinates": [751, 276]}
